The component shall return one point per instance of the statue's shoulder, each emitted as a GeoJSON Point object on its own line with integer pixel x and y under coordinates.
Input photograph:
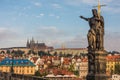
{"type": "Point", "coordinates": [91, 18]}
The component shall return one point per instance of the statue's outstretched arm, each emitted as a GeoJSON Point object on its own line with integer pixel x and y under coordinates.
{"type": "Point", "coordinates": [84, 18]}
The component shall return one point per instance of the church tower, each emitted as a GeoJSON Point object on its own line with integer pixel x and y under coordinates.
{"type": "Point", "coordinates": [32, 43]}
{"type": "Point", "coordinates": [28, 44]}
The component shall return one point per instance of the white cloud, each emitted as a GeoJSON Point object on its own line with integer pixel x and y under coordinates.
{"type": "Point", "coordinates": [112, 10]}
{"type": "Point", "coordinates": [6, 33]}
{"type": "Point", "coordinates": [51, 15]}
{"type": "Point", "coordinates": [22, 14]}
{"type": "Point", "coordinates": [89, 2]}
{"type": "Point", "coordinates": [57, 17]}
{"type": "Point", "coordinates": [50, 28]}
{"type": "Point", "coordinates": [26, 8]}
{"type": "Point", "coordinates": [112, 41]}
{"type": "Point", "coordinates": [12, 37]}
{"type": "Point", "coordinates": [95, 2]}
{"type": "Point", "coordinates": [112, 6]}
{"type": "Point", "coordinates": [49, 32]}
{"type": "Point", "coordinates": [73, 2]}
{"type": "Point", "coordinates": [56, 5]}
{"type": "Point", "coordinates": [38, 4]}
{"type": "Point", "coordinates": [42, 14]}
{"type": "Point", "coordinates": [77, 42]}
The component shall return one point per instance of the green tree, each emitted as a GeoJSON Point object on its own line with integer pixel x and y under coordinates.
{"type": "Point", "coordinates": [37, 73]}
{"type": "Point", "coordinates": [29, 52]}
{"type": "Point", "coordinates": [42, 53]}
{"type": "Point", "coordinates": [55, 54]}
{"type": "Point", "coordinates": [117, 69]}
{"type": "Point", "coordinates": [8, 51]}
{"type": "Point", "coordinates": [76, 73]}
{"type": "Point", "coordinates": [71, 68]}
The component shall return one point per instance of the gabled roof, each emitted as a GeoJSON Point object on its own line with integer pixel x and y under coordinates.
{"type": "Point", "coordinates": [16, 62]}
{"type": "Point", "coordinates": [34, 59]}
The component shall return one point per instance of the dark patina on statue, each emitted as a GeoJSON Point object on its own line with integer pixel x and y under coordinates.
{"type": "Point", "coordinates": [96, 31]}
{"type": "Point", "coordinates": [96, 52]}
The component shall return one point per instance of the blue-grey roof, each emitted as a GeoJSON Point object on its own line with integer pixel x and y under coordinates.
{"type": "Point", "coordinates": [16, 62]}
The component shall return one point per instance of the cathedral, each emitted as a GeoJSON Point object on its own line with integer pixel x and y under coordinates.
{"type": "Point", "coordinates": [38, 46]}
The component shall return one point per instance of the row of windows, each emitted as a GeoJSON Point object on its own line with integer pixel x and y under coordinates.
{"type": "Point", "coordinates": [21, 62]}
{"type": "Point", "coordinates": [16, 68]}
{"type": "Point", "coordinates": [22, 71]}
{"type": "Point", "coordinates": [110, 66]}
{"type": "Point", "coordinates": [24, 67]}
{"type": "Point", "coordinates": [113, 62]}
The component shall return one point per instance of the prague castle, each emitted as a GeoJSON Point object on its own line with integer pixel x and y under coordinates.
{"type": "Point", "coordinates": [37, 46]}
{"type": "Point", "coordinates": [30, 45]}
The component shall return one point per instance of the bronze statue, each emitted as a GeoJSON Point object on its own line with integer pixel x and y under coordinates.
{"type": "Point", "coordinates": [96, 31]}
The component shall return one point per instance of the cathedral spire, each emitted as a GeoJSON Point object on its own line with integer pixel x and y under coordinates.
{"type": "Point", "coordinates": [27, 45]}
{"type": "Point", "coordinates": [33, 40]}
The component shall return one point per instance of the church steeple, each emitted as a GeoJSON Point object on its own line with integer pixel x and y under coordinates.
{"type": "Point", "coordinates": [33, 40]}
{"type": "Point", "coordinates": [28, 44]}
{"type": "Point", "coordinates": [32, 43]}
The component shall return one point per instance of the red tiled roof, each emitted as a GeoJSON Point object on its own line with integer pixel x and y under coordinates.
{"type": "Point", "coordinates": [84, 60]}
{"type": "Point", "coordinates": [34, 59]}
{"type": "Point", "coordinates": [113, 58]}
{"type": "Point", "coordinates": [66, 61]}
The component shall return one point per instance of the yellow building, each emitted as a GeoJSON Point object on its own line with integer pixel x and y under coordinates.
{"type": "Point", "coordinates": [19, 66]}
{"type": "Point", "coordinates": [110, 64]}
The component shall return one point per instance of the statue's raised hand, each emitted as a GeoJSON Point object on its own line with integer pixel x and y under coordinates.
{"type": "Point", "coordinates": [81, 17]}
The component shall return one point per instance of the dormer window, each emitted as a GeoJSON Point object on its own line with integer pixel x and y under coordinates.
{"type": "Point", "coordinates": [7, 62]}
{"type": "Point", "coordinates": [10, 62]}
{"type": "Point", "coordinates": [22, 62]}
{"type": "Point", "coordinates": [16, 62]}
{"type": "Point", "coordinates": [26, 62]}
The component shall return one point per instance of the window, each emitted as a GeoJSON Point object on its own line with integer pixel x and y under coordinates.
{"type": "Point", "coordinates": [16, 71]}
{"type": "Point", "coordinates": [21, 62]}
{"type": "Point", "coordinates": [6, 62]}
{"type": "Point", "coordinates": [16, 62]}
{"type": "Point", "coordinates": [22, 71]}
{"type": "Point", "coordinates": [27, 71]}
{"type": "Point", "coordinates": [10, 62]}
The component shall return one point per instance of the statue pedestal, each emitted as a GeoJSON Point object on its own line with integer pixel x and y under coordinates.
{"type": "Point", "coordinates": [97, 65]}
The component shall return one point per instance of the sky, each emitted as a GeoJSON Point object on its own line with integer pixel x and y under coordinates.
{"type": "Point", "coordinates": [56, 22]}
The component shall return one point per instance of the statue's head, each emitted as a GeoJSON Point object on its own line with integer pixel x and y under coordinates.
{"type": "Point", "coordinates": [94, 11]}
